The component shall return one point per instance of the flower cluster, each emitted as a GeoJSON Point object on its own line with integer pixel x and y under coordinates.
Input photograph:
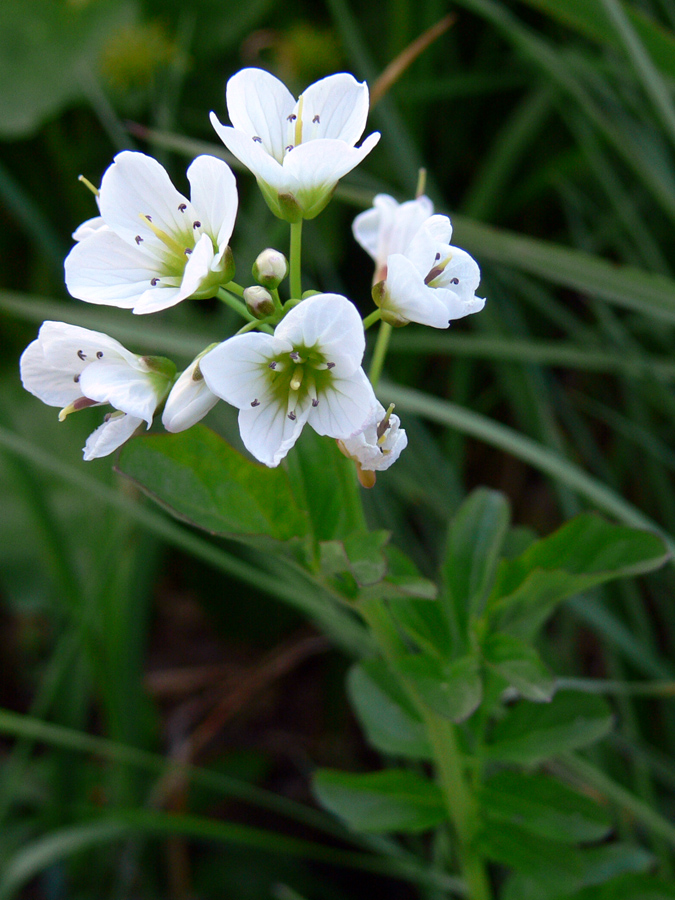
{"type": "Point", "coordinates": [292, 363]}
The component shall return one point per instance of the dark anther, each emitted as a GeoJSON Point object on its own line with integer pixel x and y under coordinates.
{"type": "Point", "coordinates": [330, 365]}
{"type": "Point", "coordinates": [188, 251]}
{"type": "Point", "coordinates": [292, 416]}
{"type": "Point", "coordinates": [315, 402]}
{"type": "Point", "coordinates": [255, 402]}
{"type": "Point", "coordinates": [257, 139]}
{"type": "Point", "coordinates": [99, 354]}
{"type": "Point", "coordinates": [316, 120]}
{"type": "Point", "coordinates": [289, 148]}
{"type": "Point", "coordinates": [454, 280]}
{"type": "Point", "coordinates": [197, 224]}
{"type": "Point", "coordinates": [82, 355]}
{"type": "Point", "coordinates": [291, 118]}
{"type": "Point", "coordinates": [154, 281]}
{"type": "Point", "coordinates": [138, 239]}
{"type": "Point", "coordinates": [437, 257]}
{"type": "Point", "coordinates": [182, 207]}
{"type": "Point", "coordinates": [76, 378]}
{"type": "Point", "coordinates": [294, 355]}
{"type": "Point", "coordinates": [149, 218]}
{"type": "Point", "coordinates": [272, 365]}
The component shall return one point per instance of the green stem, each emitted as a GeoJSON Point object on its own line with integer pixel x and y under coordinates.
{"type": "Point", "coordinates": [235, 304]}
{"type": "Point", "coordinates": [372, 319]}
{"type": "Point", "coordinates": [459, 800]}
{"type": "Point", "coordinates": [234, 288]}
{"type": "Point", "coordinates": [379, 353]}
{"type": "Point", "coordinates": [295, 260]}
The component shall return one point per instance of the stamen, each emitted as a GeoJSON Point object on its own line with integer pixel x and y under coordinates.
{"type": "Point", "coordinates": [316, 120]}
{"type": "Point", "coordinates": [330, 365]}
{"type": "Point", "coordinates": [138, 239]}
{"type": "Point", "coordinates": [315, 402]}
{"type": "Point", "coordinates": [273, 365]}
{"type": "Point", "coordinates": [437, 257]}
{"type": "Point", "coordinates": [82, 355]}
{"type": "Point", "coordinates": [255, 402]}
{"type": "Point", "coordinates": [187, 251]}
{"type": "Point", "coordinates": [76, 379]}
{"type": "Point", "coordinates": [289, 148]}
{"type": "Point", "coordinates": [291, 118]}
{"type": "Point", "coordinates": [154, 281]}
{"type": "Point", "coordinates": [384, 425]}
{"type": "Point", "coordinates": [85, 181]}
{"type": "Point", "coordinates": [99, 354]}
{"type": "Point", "coordinates": [454, 281]}
{"type": "Point", "coordinates": [257, 139]}
{"type": "Point", "coordinates": [292, 416]}
{"type": "Point", "coordinates": [182, 207]}
{"type": "Point", "coordinates": [197, 224]}
{"type": "Point", "coordinates": [295, 356]}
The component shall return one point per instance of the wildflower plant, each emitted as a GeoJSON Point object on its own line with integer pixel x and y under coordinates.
{"type": "Point", "coordinates": [449, 672]}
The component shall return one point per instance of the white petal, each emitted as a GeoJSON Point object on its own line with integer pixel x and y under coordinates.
{"type": "Point", "coordinates": [103, 269]}
{"type": "Point", "coordinates": [213, 191]}
{"type": "Point", "coordinates": [254, 156]}
{"type": "Point", "coordinates": [341, 104]}
{"type": "Point", "coordinates": [155, 299]}
{"type": "Point", "coordinates": [430, 244]}
{"type": "Point", "coordinates": [369, 452]}
{"type": "Point", "coordinates": [88, 228]}
{"type": "Point", "coordinates": [372, 227]}
{"type": "Point", "coordinates": [198, 267]}
{"type": "Point", "coordinates": [457, 307]}
{"type": "Point", "coordinates": [345, 408]}
{"type": "Point", "coordinates": [237, 369]}
{"type": "Point", "coordinates": [332, 324]}
{"type": "Point", "coordinates": [408, 295]}
{"type": "Point", "coordinates": [259, 104]}
{"type": "Point", "coordinates": [135, 186]}
{"type": "Point", "coordinates": [461, 274]}
{"type": "Point", "coordinates": [53, 387]}
{"type": "Point", "coordinates": [126, 389]}
{"type": "Point", "coordinates": [111, 435]}
{"type": "Point", "coordinates": [267, 431]}
{"type": "Point", "coordinates": [188, 402]}
{"type": "Point", "coordinates": [71, 348]}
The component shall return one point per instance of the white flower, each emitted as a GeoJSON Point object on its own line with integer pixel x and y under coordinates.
{"type": "Point", "coordinates": [297, 150]}
{"type": "Point", "coordinates": [151, 247]}
{"type": "Point", "coordinates": [423, 278]}
{"type": "Point", "coordinates": [190, 399]}
{"type": "Point", "coordinates": [378, 446]}
{"type": "Point", "coordinates": [309, 370]}
{"type": "Point", "coordinates": [74, 368]}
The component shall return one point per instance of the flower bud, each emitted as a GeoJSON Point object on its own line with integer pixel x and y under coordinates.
{"type": "Point", "coordinates": [270, 268]}
{"type": "Point", "coordinates": [259, 301]}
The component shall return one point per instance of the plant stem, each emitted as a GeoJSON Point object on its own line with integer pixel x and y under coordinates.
{"type": "Point", "coordinates": [234, 288]}
{"type": "Point", "coordinates": [235, 304]}
{"type": "Point", "coordinates": [372, 319]}
{"type": "Point", "coordinates": [379, 353]}
{"type": "Point", "coordinates": [295, 260]}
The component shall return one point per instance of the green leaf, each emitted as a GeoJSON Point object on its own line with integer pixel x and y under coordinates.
{"type": "Point", "coordinates": [520, 665]}
{"type": "Point", "coordinates": [426, 623]}
{"type": "Point", "coordinates": [360, 554]}
{"type": "Point", "coordinates": [544, 806]}
{"type": "Point", "coordinates": [392, 800]}
{"type": "Point", "coordinates": [585, 552]}
{"type": "Point", "coordinates": [199, 478]}
{"type": "Point", "coordinates": [531, 732]}
{"type": "Point", "coordinates": [549, 870]}
{"type": "Point", "coordinates": [475, 538]}
{"type": "Point", "coordinates": [628, 887]}
{"type": "Point", "coordinates": [387, 716]}
{"type": "Point", "coordinates": [453, 690]}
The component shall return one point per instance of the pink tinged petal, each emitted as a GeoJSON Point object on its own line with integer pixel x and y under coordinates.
{"type": "Point", "coordinates": [126, 389]}
{"type": "Point", "coordinates": [259, 105]}
{"type": "Point", "coordinates": [268, 432]}
{"type": "Point", "coordinates": [253, 155]}
{"type": "Point", "coordinates": [334, 107]}
{"type": "Point", "coordinates": [86, 229]}
{"type": "Point", "coordinates": [345, 408]}
{"type": "Point", "coordinates": [53, 387]}
{"type": "Point", "coordinates": [213, 191]}
{"type": "Point", "coordinates": [111, 435]}
{"type": "Point", "coordinates": [332, 324]}
{"type": "Point", "coordinates": [136, 185]}
{"type": "Point", "coordinates": [103, 269]}
{"type": "Point", "coordinates": [408, 295]}
{"type": "Point", "coordinates": [188, 402]}
{"type": "Point", "coordinates": [238, 369]}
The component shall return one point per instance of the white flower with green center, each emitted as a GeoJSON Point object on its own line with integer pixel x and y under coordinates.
{"type": "Point", "coordinates": [420, 277]}
{"type": "Point", "coordinates": [74, 368]}
{"type": "Point", "coordinates": [378, 446]}
{"type": "Point", "coordinates": [151, 247]}
{"type": "Point", "coordinates": [308, 371]}
{"type": "Point", "coordinates": [297, 149]}
{"type": "Point", "coordinates": [190, 399]}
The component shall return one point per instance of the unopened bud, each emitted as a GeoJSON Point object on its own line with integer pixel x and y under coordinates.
{"type": "Point", "coordinates": [270, 268]}
{"type": "Point", "coordinates": [259, 301]}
